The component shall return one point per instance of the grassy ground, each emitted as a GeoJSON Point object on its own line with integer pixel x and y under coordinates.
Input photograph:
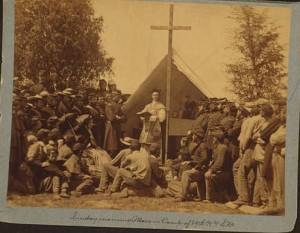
{"type": "Point", "coordinates": [101, 201]}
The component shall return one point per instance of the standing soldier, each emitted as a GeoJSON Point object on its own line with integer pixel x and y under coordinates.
{"type": "Point", "coordinates": [98, 116]}
{"type": "Point", "coordinates": [114, 117]}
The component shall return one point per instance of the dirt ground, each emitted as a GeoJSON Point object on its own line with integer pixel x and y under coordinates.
{"type": "Point", "coordinates": [102, 201]}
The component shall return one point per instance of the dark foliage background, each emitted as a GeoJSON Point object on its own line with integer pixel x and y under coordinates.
{"type": "Point", "coordinates": [61, 37]}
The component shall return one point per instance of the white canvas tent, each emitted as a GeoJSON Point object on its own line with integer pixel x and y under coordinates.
{"type": "Point", "coordinates": [183, 82]}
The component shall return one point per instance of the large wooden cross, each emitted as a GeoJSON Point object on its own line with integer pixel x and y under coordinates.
{"type": "Point", "coordinates": [170, 28]}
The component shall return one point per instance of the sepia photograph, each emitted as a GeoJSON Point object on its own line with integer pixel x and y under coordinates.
{"type": "Point", "coordinates": [149, 106]}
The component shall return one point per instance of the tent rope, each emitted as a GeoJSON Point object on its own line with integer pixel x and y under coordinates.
{"type": "Point", "coordinates": [193, 73]}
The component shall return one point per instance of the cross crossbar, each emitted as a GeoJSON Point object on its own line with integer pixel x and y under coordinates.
{"type": "Point", "coordinates": [170, 27]}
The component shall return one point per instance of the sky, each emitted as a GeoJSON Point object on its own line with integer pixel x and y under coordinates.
{"type": "Point", "coordinates": [138, 50]}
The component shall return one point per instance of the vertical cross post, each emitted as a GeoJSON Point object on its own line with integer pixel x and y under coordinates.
{"type": "Point", "coordinates": [169, 75]}
{"type": "Point", "coordinates": [170, 28]}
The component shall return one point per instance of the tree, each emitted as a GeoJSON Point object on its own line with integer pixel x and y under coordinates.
{"type": "Point", "coordinates": [61, 37]}
{"type": "Point", "coordinates": [257, 70]}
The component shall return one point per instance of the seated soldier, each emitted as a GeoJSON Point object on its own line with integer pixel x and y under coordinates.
{"type": "Point", "coordinates": [158, 179]}
{"type": "Point", "coordinates": [174, 187]}
{"type": "Point", "coordinates": [26, 179]}
{"type": "Point", "coordinates": [197, 136]}
{"type": "Point", "coordinates": [174, 164]}
{"type": "Point", "coordinates": [36, 156]}
{"type": "Point", "coordinates": [184, 158]}
{"type": "Point", "coordinates": [219, 168]}
{"type": "Point", "coordinates": [79, 181]}
{"type": "Point", "coordinates": [135, 170]}
{"type": "Point", "coordinates": [64, 151]}
{"type": "Point", "coordinates": [52, 176]}
{"type": "Point", "coordinates": [196, 174]}
{"type": "Point", "coordinates": [95, 158]}
{"type": "Point", "coordinates": [110, 170]}
{"type": "Point", "coordinates": [54, 139]}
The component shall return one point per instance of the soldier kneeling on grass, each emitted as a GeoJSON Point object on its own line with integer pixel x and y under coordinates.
{"type": "Point", "coordinates": [79, 182]}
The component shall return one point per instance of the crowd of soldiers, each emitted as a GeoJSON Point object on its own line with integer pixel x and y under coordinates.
{"type": "Point", "coordinates": [237, 152]}
{"type": "Point", "coordinates": [70, 143]}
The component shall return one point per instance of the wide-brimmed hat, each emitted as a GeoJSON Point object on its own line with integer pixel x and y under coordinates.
{"type": "Point", "coordinates": [69, 90]}
{"type": "Point", "coordinates": [34, 98]}
{"type": "Point", "coordinates": [126, 140]}
{"type": "Point", "coordinates": [250, 105]}
{"type": "Point", "coordinates": [58, 93]}
{"type": "Point", "coordinates": [111, 82]}
{"type": "Point", "coordinates": [52, 119]}
{"type": "Point", "coordinates": [134, 142]}
{"type": "Point", "coordinates": [44, 93]}
{"type": "Point", "coordinates": [261, 101]}
{"type": "Point", "coordinates": [68, 117]}
{"type": "Point", "coordinates": [83, 119]}
{"type": "Point", "coordinates": [67, 93]}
